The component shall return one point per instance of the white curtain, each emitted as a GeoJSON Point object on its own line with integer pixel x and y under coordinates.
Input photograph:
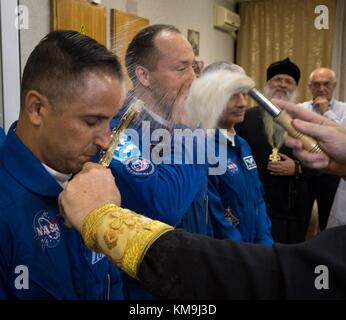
{"type": "Point", "coordinates": [339, 50]}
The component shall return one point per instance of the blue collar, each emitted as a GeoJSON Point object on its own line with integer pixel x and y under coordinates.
{"type": "Point", "coordinates": [24, 167]}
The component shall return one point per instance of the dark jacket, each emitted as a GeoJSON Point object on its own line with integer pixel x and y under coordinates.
{"type": "Point", "coordinates": [285, 196]}
{"type": "Point", "coordinates": [180, 265]}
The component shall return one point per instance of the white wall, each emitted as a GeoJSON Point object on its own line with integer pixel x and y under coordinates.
{"type": "Point", "coordinates": [184, 14]}
{"type": "Point", "coordinates": [10, 62]}
{"type": "Point", "coordinates": [196, 15]}
{"type": "Point", "coordinates": [39, 26]}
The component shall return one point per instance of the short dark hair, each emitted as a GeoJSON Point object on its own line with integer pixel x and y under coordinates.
{"type": "Point", "coordinates": [57, 64]}
{"type": "Point", "coordinates": [142, 51]}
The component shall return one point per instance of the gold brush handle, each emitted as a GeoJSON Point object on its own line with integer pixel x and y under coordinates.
{"type": "Point", "coordinates": [309, 144]}
{"type": "Point", "coordinates": [129, 115]}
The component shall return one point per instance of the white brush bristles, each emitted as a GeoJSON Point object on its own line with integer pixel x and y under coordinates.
{"type": "Point", "coordinates": [209, 95]}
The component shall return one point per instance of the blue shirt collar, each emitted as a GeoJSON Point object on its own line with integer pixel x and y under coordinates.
{"type": "Point", "coordinates": [21, 163]}
{"type": "Point", "coordinates": [330, 103]}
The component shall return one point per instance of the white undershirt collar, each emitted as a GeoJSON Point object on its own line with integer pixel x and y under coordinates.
{"type": "Point", "coordinates": [230, 136]}
{"type": "Point", "coordinates": [61, 178]}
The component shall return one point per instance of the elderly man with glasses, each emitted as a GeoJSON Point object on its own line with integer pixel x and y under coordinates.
{"type": "Point", "coordinates": [322, 83]}
{"type": "Point", "coordinates": [322, 187]}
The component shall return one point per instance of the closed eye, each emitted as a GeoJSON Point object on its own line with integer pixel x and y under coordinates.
{"type": "Point", "coordinates": [91, 122]}
{"type": "Point", "coordinates": [181, 68]}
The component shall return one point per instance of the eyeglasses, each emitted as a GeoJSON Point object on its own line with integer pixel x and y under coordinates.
{"type": "Point", "coordinates": [318, 84]}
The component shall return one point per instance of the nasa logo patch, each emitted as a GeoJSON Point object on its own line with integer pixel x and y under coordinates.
{"type": "Point", "coordinates": [232, 166]}
{"type": "Point", "coordinates": [140, 166]}
{"type": "Point", "coordinates": [46, 229]}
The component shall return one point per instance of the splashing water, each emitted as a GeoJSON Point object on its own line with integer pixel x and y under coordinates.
{"type": "Point", "coordinates": [201, 106]}
{"type": "Point", "coordinates": [209, 95]}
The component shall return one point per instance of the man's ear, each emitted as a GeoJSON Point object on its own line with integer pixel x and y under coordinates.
{"type": "Point", "coordinates": [35, 105]}
{"type": "Point", "coordinates": [143, 76]}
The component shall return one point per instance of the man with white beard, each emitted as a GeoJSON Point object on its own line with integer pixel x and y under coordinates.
{"type": "Point", "coordinates": [281, 174]}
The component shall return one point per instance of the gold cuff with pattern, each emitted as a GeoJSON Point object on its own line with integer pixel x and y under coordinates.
{"type": "Point", "coordinates": [124, 236]}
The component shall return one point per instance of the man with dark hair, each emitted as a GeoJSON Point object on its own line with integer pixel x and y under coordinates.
{"type": "Point", "coordinates": [160, 63]}
{"type": "Point", "coordinates": [142, 51]}
{"type": "Point", "coordinates": [176, 265]}
{"type": "Point", "coordinates": [71, 88]}
{"type": "Point", "coordinates": [283, 180]}
{"type": "Point", "coordinates": [168, 189]}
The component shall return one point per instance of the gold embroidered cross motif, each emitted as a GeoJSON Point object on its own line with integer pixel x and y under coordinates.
{"type": "Point", "coordinates": [82, 29]}
{"type": "Point", "coordinates": [274, 156]}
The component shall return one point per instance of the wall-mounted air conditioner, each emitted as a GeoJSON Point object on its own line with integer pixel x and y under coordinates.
{"type": "Point", "coordinates": [225, 19]}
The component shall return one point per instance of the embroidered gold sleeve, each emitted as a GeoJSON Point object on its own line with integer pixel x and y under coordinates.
{"type": "Point", "coordinates": [122, 235]}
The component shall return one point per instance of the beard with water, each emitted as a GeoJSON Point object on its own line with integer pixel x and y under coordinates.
{"type": "Point", "coordinates": [206, 101]}
{"type": "Point", "coordinates": [274, 132]}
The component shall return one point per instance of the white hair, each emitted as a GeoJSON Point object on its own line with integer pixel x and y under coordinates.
{"type": "Point", "coordinates": [312, 74]}
{"type": "Point", "coordinates": [209, 95]}
{"type": "Point", "coordinates": [221, 65]}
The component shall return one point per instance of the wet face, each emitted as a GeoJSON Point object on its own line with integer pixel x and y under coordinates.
{"type": "Point", "coordinates": [70, 133]}
{"type": "Point", "coordinates": [322, 84]}
{"type": "Point", "coordinates": [174, 72]}
{"type": "Point", "coordinates": [234, 112]}
{"type": "Point", "coordinates": [282, 86]}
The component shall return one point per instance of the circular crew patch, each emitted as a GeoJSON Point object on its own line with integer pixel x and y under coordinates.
{"type": "Point", "coordinates": [140, 166]}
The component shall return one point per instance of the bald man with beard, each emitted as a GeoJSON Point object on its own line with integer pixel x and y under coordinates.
{"type": "Point", "coordinates": [282, 176]}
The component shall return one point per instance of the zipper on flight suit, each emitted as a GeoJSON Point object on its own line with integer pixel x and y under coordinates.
{"type": "Point", "coordinates": [206, 200]}
{"type": "Point", "coordinates": [108, 286]}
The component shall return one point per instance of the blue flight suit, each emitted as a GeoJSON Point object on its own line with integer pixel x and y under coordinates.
{"type": "Point", "coordinates": [236, 203]}
{"type": "Point", "coordinates": [2, 135]}
{"type": "Point", "coordinates": [40, 258]}
{"type": "Point", "coordinates": [173, 193]}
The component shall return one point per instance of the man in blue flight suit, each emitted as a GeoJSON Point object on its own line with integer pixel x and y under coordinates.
{"type": "Point", "coordinates": [71, 88]}
{"type": "Point", "coordinates": [160, 64]}
{"type": "Point", "coordinates": [237, 207]}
